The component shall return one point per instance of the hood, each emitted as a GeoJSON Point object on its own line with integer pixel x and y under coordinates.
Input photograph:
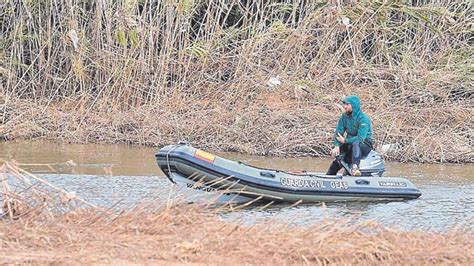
{"type": "Point", "coordinates": [355, 102]}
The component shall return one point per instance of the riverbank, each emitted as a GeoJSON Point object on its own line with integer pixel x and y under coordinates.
{"type": "Point", "coordinates": [183, 234]}
{"type": "Point", "coordinates": [273, 124]}
{"type": "Point", "coordinates": [249, 76]}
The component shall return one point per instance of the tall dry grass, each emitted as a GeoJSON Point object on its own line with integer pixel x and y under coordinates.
{"type": "Point", "coordinates": [43, 228]}
{"type": "Point", "coordinates": [153, 72]}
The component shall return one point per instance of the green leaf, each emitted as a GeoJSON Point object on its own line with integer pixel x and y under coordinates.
{"type": "Point", "coordinates": [121, 38]}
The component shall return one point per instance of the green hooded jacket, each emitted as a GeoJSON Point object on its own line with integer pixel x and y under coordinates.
{"type": "Point", "coordinates": [357, 124]}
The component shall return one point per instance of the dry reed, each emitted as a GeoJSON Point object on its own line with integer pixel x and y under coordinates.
{"type": "Point", "coordinates": [186, 234]}
{"type": "Point", "coordinates": [154, 72]}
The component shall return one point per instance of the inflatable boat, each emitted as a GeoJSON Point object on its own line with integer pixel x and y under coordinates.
{"type": "Point", "coordinates": [234, 181]}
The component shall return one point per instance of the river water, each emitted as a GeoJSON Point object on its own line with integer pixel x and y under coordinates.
{"type": "Point", "coordinates": [124, 176]}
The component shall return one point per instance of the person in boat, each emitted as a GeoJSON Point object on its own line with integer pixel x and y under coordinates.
{"type": "Point", "coordinates": [357, 143]}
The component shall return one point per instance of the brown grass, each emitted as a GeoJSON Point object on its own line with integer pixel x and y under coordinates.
{"type": "Point", "coordinates": [154, 73]}
{"type": "Point", "coordinates": [187, 234]}
{"type": "Point", "coordinates": [39, 229]}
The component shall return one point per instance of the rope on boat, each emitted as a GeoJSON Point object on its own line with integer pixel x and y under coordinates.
{"type": "Point", "coordinates": [168, 164]}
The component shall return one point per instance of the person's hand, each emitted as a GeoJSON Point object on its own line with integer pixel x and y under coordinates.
{"type": "Point", "coordinates": [340, 138]}
{"type": "Point", "coordinates": [335, 151]}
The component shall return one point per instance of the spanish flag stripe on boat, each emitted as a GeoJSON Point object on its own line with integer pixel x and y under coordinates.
{"type": "Point", "coordinates": [205, 156]}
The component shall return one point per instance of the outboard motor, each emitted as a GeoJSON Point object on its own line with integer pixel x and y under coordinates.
{"type": "Point", "coordinates": [370, 165]}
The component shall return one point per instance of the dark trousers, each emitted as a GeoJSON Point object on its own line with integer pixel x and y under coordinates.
{"type": "Point", "coordinates": [352, 155]}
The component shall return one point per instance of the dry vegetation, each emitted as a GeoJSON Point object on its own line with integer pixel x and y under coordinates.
{"type": "Point", "coordinates": [184, 234]}
{"type": "Point", "coordinates": [154, 72]}
{"type": "Point", "coordinates": [44, 224]}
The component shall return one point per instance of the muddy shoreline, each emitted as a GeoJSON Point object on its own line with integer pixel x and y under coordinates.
{"type": "Point", "coordinates": [287, 127]}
